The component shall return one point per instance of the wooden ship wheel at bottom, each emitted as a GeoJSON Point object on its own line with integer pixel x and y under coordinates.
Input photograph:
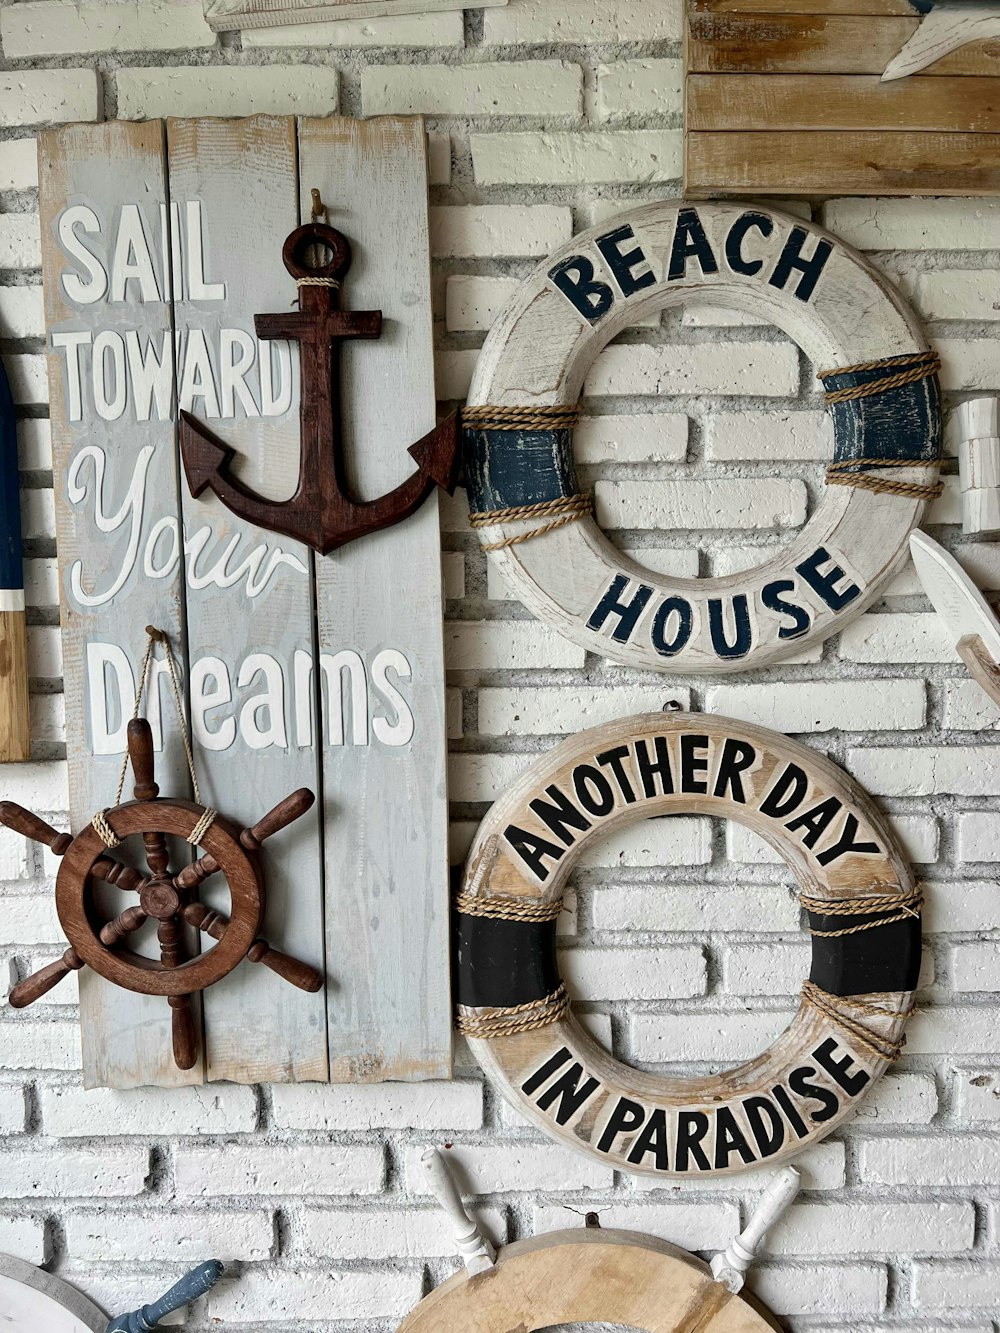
{"type": "Point", "coordinates": [169, 899]}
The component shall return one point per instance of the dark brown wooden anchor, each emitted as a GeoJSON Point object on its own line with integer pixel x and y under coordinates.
{"type": "Point", "coordinates": [322, 513]}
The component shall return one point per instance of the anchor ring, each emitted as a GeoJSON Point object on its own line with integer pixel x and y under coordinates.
{"type": "Point", "coordinates": [313, 234]}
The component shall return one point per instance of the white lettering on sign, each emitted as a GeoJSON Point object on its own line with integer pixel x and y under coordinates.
{"type": "Point", "coordinates": [115, 375]}
{"type": "Point", "coordinates": [363, 702]}
{"type": "Point", "coordinates": [161, 548]}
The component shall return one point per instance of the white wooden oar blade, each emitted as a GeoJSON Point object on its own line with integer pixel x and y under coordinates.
{"type": "Point", "coordinates": [953, 594]}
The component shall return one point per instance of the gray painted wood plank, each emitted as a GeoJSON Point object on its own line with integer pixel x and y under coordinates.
{"type": "Point", "coordinates": [379, 607]}
{"type": "Point", "coordinates": [116, 484]}
{"type": "Point", "coordinates": [235, 188]}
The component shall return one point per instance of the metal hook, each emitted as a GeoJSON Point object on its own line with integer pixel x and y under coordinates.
{"type": "Point", "coordinates": [319, 209]}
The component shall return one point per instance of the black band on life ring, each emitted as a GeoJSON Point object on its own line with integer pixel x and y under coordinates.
{"type": "Point", "coordinates": [501, 964]}
{"type": "Point", "coordinates": [879, 958]}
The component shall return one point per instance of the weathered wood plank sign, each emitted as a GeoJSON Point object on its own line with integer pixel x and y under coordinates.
{"type": "Point", "coordinates": [15, 727]}
{"type": "Point", "coordinates": [227, 15]}
{"type": "Point", "coordinates": [862, 97]}
{"type": "Point", "coordinates": [161, 244]}
{"type": "Point", "coordinates": [880, 382]}
{"type": "Point", "coordinates": [864, 918]}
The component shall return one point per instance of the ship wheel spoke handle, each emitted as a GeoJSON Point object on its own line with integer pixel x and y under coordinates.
{"type": "Point", "coordinates": [169, 900]}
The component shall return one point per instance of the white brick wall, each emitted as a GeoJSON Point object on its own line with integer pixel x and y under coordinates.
{"type": "Point", "coordinates": [682, 937]}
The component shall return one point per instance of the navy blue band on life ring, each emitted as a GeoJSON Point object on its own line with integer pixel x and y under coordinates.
{"type": "Point", "coordinates": [901, 424]}
{"type": "Point", "coordinates": [505, 469]}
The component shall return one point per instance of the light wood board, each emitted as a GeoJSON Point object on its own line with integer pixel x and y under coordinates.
{"type": "Point", "coordinates": [788, 98]}
{"type": "Point", "coordinates": [588, 1277]}
{"type": "Point", "coordinates": [115, 481]}
{"type": "Point", "coordinates": [227, 15]}
{"type": "Point", "coordinates": [244, 175]}
{"type": "Point", "coordinates": [379, 600]}
{"type": "Point", "coordinates": [31, 1300]}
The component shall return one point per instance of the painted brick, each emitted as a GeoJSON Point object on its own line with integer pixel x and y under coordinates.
{"type": "Point", "coordinates": [65, 27]}
{"type": "Point", "coordinates": [453, 374]}
{"type": "Point", "coordinates": [81, 1173]}
{"type": "Point", "coordinates": [967, 363]}
{"type": "Point", "coordinates": [419, 31]}
{"type": "Point", "coordinates": [484, 230]}
{"type": "Point", "coordinates": [772, 436]}
{"type": "Point", "coordinates": [953, 1029]}
{"type": "Point", "coordinates": [48, 719]}
{"type": "Point", "coordinates": [672, 840]}
{"type": "Point", "coordinates": [692, 504]}
{"type": "Point", "coordinates": [482, 777]}
{"type": "Point", "coordinates": [975, 967]}
{"type": "Point", "coordinates": [453, 571]}
{"type": "Point", "coordinates": [114, 1234]}
{"type": "Point", "coordinates": [427, 1106]}
{"type": "Point", "coordinates": [873, 1228]}
{"type": "Point", "coordinates": [693, 1226]}
{"type": "Point", "coordinates": [650, 438]}
{"type": "Point", "coordinates": [821, 1166]}
{"type": "Point", "coordinates": [40, 787]}
{"type": "Point", "coordinates": [515, 644]}
{"type": "Point", "coordinates": [29, 381]}
{"type": "Point", "coordinates": [41, 583]}
{"type": "Point", "coordinates": [512, 1168]}
{"type": "Point", "coordinates": [44, 652]}
{"type": "Point", "coordinates": [768, 369]}
{"type": "Point", "coordinates": [21, 312]}
{"type": "Point", "coordinates": [639, 974]}
{"type": "Point", "coordinates": [968, 708]}
{"type": "Point", "coordinates": [540, 158]}
{"type": "Point", "coordinates": [18, 164]}
{"type": "Point", "coordinates": [217, 1108]}
{"type": "Point", "coordinates": [900, 1099]}
{"type": "Point", "coordinates": [965, 906]}
{"type": "Point", "coordinates": [206, 1173]}
{"type": "Point", "coordinates": [639, 88]}
{"type": "Point", "coordinates": [282, 90]}
{"type": "Point", "coordinates": [38, 513]}
{"type": "Point", "coordinates": [888, 705]}
{"type": "Point", "coordinates": [20, 241]}
{"type": "Point", "coordinates": [23, 1238]}
{"type": "Point", "coordinates": [662, 1038]}
{"type": "Point", "coordinates": [959, 294]}
{"type": "Point", "coordinates": [977, 836]}
{"type": "Point", "coordinates": [268, 1294]}
{"type": "Point", "coordinates": [34, 446]}
{"type": "Point", "coordinates": [389, 1233]}
{"type": "Point", "coordinates": [820, 1289]}
{"type": "Point", "coordinates": [978, 1094]}
{"type": "Point", "coordinates": [119, 1287]}
{"type": "Point", "coordinates": [529, 88]}
{"type": "Point", "coordinates": [48, 97]}
{"type": "Point", "coordinates": [475, 303]}
{"type": "Point", "coordinates": [698, 907]}
{"type": "Point", "coordinates": [30, 920]}
{"type": "Point", "coordinates": [559, 711]}
{"type": "Point", "coordinates": [964, 770]}
{"type": "Point", "coordinates": [582, 21]}
{"type": "Point", "coordinates": [438, 157]}
{"type": "Point", "coordinates": [966, 1159]}
{"type": "Point", "coordinates": [915, 224]}
{"type": "Point", "coordinates": [957, 1285]}
{"type": "Point", "coordinates": [12, 1109]}
{"type": "Point", "coordinates": [897, 636]}
{"type": "Point", "coordinates": [780, 969]}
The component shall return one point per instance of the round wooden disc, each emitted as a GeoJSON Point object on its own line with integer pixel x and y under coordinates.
{"type": "Point", "coordinates": [32, 1301]}
{"type": "Point", "coordinates": [587, 1276]}
{"type": "Point", "coordinates": [842, 313]}
{"type": "Point", "coordinates": [865, 955]}
{"type": "Point", "coordinates": [130, 970]}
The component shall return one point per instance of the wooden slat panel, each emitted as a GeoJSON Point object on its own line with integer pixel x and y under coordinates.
{"type": "Point", "coordinates": [244, 175]}
{"type": "Point", "coordinates": [841, 163]}
{"type": "Point", "coordinates": [735, 102]}
{"type": "Point", "coordinates": [387, 893]}
{"type": "Point", "coordinates": [100, 462]}
{"type": "Point", "coordinates": [816, 44]}
{"type": "Point", "coordinates": [899, 7]}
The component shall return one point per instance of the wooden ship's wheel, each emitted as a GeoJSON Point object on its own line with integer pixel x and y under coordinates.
{"type": "Point", "coordinates": [169, 899]}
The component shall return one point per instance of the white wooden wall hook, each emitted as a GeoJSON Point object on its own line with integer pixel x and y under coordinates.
{"type": "Point", "coordinates": [476, 1251]}
{"type": "Point", "coordinates": [964, 610]}
{"type": "Point", "coordinates": [978, 423]}
{"type": "Point", "coordinates": [730, 1265]}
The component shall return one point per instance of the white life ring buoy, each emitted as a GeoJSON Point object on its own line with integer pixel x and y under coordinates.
{"type": "Point", "coordinates": [879, 377]}
{"type": "Point", "coordinates": [864, 918]}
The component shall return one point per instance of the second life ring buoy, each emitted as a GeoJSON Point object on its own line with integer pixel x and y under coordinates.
{"type": "Point", "coordinates": [880, 380]}
{"type": "Point", "coordinates": [864, 917]}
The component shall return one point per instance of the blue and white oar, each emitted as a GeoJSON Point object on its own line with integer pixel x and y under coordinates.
{"type": "Point", "coordinates": [190, 1288]}
{"type": "Point", "coordinates": [948, 25]}
{"type": "Point", "coordinates": [15, 730]}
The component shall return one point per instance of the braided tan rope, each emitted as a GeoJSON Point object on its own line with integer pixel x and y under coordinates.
{"type": "Point", "coordinates": [825, 1003]}
{"type": "Point", "coordinates": [507, 909]}
{"type": "Point", "coordinates": [100, 821]}
{"type": "Point", "coordinates": [566, 509]}
{"type": "Point", "coordinates": [928, 364]}
{"type": "Point", "coordinates": [490, 1023]}
{"type": "Point", "coordinates": [490, 417]}
{"type": "Point", "coordinates": [837, 475]}
{"type": "Point", "coordinates": [317, 282]}
{"type": "Point", "coordinates": [909, 905]}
